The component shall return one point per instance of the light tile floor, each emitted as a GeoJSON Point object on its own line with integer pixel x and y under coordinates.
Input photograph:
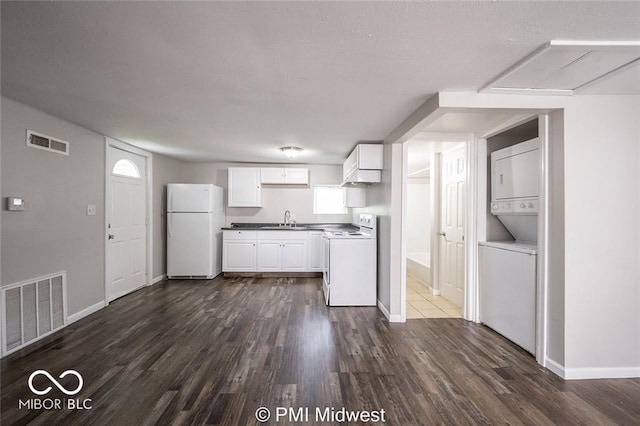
{"type": "Point", "coordinates": [422, 304]}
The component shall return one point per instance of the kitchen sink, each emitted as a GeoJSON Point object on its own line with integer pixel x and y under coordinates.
{"type": "Point", "coordinates": [286, 228]}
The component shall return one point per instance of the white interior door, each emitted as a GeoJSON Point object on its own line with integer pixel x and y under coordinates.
{"type": "Point", "coordinates": [126, 223]}
{"type": "Point", "coordinates": [452, 224]}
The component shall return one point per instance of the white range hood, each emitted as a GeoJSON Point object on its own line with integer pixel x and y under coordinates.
{"type": "Point", "coordinates": [363, 178]}
{"type": "Point", "coordinates": [364, 166]}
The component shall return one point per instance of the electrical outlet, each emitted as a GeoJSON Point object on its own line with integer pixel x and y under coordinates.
{"type": "Point", "coordinates": [91, 209]}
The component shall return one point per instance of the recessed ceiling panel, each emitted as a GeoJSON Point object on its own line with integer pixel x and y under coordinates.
{"type": "Point", "coordinates": [541, 67]}
{"type": "Point", "coordinates": [562, 67]}
{"type": "Point", "coordinates": [622, 82]}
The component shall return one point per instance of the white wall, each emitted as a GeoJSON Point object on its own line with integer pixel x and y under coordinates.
{"type": "Point", "coordinates": [54, 233]}
{"type": "Point", "coordinates": [602, 226]}
{"type": "Point", "coordinates": [165, 170]}
{"type": "Point", "coordinates": [379, 203]}
{"type": "Point", "coordinates": [555, 243]}
{"type": "Point", "coordinates": [276, 199]}
{"type": "Point", "coordinates": [418, 215]}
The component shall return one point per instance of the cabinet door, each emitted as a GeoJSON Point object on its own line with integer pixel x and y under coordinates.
{"type": "Point", "coordinates": [269, 255]}
{"type": "Point", "coordinates": [370, 156]}
{"type": "Point", "coordinates": [244, 187]}
{"type": "Point", "coordinates": [355, 197]}
{"type": "Point", "coordinates": [296, 176]}
{"type": "Point", "coordinates": [239, 256]}
{"type": "Point", "coordinates": [315, 251]}
{"type": "Point", "coordinates": [294, 255]}
{"type": "Point", "coordinates": [350, 164]}
{"type": "Point", "coordinates": [272, 175]}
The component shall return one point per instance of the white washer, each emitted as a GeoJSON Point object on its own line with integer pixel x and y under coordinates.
{"type": "Point", "coordinates": [350, 265]}
{"type": "Point", "coordinates": [508, 290]}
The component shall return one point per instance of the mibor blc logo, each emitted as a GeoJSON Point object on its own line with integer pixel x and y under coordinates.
{"type": "Point", "coordinates": [55, 382]}
{"type": "Point", "coordinates": [55, 403]}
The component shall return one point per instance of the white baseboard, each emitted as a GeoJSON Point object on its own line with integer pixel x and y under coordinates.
{"type": "Point", "coordinates": [85, 312]}
{"type": "Point", "coordinates": [158, 279]}
{"type": "Point", "coordinates": [601, 373]}
{"type": "Point", "coordinates": [592, 372]}
{"type": "Point", "coordinates": [555, 367]}
{"type": "Point", "coordinates": [391, 318]}
{"type": "Point", "coordinates": [435, 291]}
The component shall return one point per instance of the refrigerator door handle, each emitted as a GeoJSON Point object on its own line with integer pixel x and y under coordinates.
{"type": "Point", "coordinates": [169, 205]}
{"type": "Point", "coordinates": [169, 227]}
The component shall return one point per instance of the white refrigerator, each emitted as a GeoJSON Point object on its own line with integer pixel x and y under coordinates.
{"type": "Point", "coordinates": [195, 217]}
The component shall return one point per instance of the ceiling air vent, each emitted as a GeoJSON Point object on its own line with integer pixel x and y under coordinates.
{"type": "Point", "coordinates": [40, 141]}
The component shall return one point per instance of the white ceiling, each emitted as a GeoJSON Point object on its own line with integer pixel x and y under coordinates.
{"type": "Point", "coordinates": [235, 81]}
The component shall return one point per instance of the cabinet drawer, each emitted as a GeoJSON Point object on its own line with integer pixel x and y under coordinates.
{"type": "Point", "coordinates": [282, 235]}
{"type": "Point", "coordinates": [239, 235]}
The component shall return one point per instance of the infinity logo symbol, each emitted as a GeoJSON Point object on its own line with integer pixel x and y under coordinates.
{"type": "Point", "coordinates": [55, 382]}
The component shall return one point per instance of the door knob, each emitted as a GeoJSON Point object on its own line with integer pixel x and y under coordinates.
{"type": "Point", "coordinates": [111, 236]}
{"type": "Point", "coordinates": [444, 234]}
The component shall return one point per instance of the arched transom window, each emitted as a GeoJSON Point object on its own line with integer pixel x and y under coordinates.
{"type": "Point", "coordinates": [126, 168]}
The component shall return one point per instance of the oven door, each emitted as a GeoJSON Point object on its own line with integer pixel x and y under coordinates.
{"type": "Point", "coordinates": [326, 273]}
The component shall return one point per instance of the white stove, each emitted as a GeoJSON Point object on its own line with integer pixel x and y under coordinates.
{"type": "Point", "coordinates": [350, 265]}
{"type": "Point", "coordinates": [367, 229]}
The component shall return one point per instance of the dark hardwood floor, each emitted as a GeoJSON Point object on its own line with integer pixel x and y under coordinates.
{"type": "Point", "coordinates": [198, 352]}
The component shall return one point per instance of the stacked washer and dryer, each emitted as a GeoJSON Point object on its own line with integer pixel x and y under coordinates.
{"type": "Point", "coordinates": [508, 269]}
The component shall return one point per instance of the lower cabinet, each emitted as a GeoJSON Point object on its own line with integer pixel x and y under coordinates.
{"type": "Point", "coordinates": [294, 255]}
{"type": "Point", "coordinates": [288, 254]}
{"type": "Point", "coordinates": [271, 251]}
{"type": "Point", "coordinates": [315, 251]}
{"type": "Point", "coordinates": [239, 251]}
{"type": "Point", "coordinates": [269, 255]}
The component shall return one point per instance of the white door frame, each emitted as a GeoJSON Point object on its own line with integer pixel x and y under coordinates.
{"type": "Point", "coordinates": [470, 305]}
{"type": "Point", "coordinates": [110, 142]}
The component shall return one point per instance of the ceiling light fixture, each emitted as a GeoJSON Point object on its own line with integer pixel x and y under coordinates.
{"type": "Point", "coordinates": [291, 151]}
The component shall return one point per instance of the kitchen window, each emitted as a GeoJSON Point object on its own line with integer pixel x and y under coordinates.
{"type": "Point", "coordinates": [328, 199]}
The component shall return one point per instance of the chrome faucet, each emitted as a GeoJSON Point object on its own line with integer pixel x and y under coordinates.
{"type": "Point", "coordinates": [287, 218]}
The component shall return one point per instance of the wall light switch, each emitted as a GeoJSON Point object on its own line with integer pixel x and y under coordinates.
{"type": "Point", "coordinates": [15, 204]}
{"type": "Point", "coordinates": [91, 209]}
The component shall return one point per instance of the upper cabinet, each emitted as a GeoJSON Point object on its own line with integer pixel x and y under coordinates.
{"type": "Point", "coordinates": [244, 187]}
{"type": "Point", "coordinates": [364, 165]}
{"type": "Point", "coordinates": [284, 176]}
{"type": "Point", "coordinates": [355, 197]}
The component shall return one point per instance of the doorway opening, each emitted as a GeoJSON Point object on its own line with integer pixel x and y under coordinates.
{"type": "Point", "coordinates": [435, 213]}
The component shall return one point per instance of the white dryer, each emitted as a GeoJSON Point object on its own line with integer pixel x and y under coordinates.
{"type": "Point", "coordinates": [508, 274]}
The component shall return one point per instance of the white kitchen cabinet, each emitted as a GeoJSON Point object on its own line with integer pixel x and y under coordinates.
{"type": "Point", "coordinates": [355, 197]}
{"type": "Point", "coordinates": [239, 256]}
{"type": "Point", "coordinates": [315, 251]}
{"type": "Point", "coordinates": [363, 157]}
{"type": "Point", "coordinates": [282, 251]}
{"type": "Point", "coordinates": [284, 176]}
{"type": "Point", "coordinates": [294, 255]}
{"type": "Point", "coordinates": [239, 251]}
{"type": "Point", "coordinates": [269, 255]}
{"type": "Point", "coordinates": [296, 176]}
{"type": "Point", "coordinates": [244, 187]}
